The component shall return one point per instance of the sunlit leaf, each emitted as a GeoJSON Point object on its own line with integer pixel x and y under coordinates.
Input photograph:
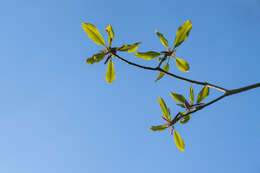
{"type": "Point", "coordinates": [178, 97]}
{"type": "Point", "coordinates": [90, 60]}
{"type": "Point", "coordinates": [93, 33]}
{"type": "Point", "coordinates": [110, 32]}
{"type": "Point", "coordinates": [159, 128]}
{"type": "Point", "coordinates": [129, 48]}
{"type": "Point", "coordinates": [182, 33]}
{"type": "Point", "coordinates": [181, 105]}
{"type": "Point", "coordinates": [203, 94]}
{"type": "Point", "coordinates": [110, 74]}
{"type": "Point", "coordinates": [182, 65]}
{"type": "Point", "coordinates": [161, 74]}
{"type": "Point", "coordinates": [147, 55]}
{"type": "Point", "coordinates": [191, 95]}
{"type": "Point", "coordinates": [163, 108]}
{"type": "Point", "coordinates": [95, 58]}
{"type": "Point", "coordinates": [163, 40]}
{"type": "Point", "coordinates": [178, 141]}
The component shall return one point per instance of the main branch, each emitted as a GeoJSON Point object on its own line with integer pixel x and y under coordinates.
{"type": "Point", "coordinates": [173, 75]}
{"type": "Point", "coordinates": [226, 91]}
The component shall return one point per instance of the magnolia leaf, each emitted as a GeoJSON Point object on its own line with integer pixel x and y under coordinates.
{"type": "Point", "coordinates": [147, 55]}
{"type": "Point", "coordinates": [110, 74]}
{"type": "Point", "coordinates": [178, 97]}
{"type": "Point", "coordinates": [163, 108]}
{"type": "Point", "coordinates": [203, 94]}
{"type": "Point", "coordinates": [178, 141]}
{"type": "Point", "coordinates": [93, 33]}
{"type": "Point", "coordinates": [185, 119]}
{"type": "Point", "coordinates": [129, 48]}
{"type": "Point", "coordinates": [163, 40]}
{"type": "Point", "coordinates": [182, 33]}
{"type": "Point", "coordinates": [191, 95]}
{"type": "Point", "coordinates": [110, 32]}
{"type": "Point", "coordinates": [182, 65]}
{"type": "Point", "coordinates": [95, 58]}
{"type": "Point", "coordinates": [181, 105]}
{"type": "Point", "coordinates": [159, 128]}
{"type": "Point", "coordinates": [90, 60]}
{"type": "Point", "coordinates": [161, 74]}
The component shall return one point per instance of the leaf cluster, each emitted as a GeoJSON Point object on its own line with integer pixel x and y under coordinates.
{"type": "Point", "coordinates": [164, 58]}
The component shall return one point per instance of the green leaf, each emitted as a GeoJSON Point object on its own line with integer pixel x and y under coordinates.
{"type": "Point", "coordinates": [159, 128]}
{"type": "Point", "coordinates": [163, 108]}
{"type": "Point", "coordinates": [178, 97]}
{"type": "Point", "coordinates": [163, 40]}
{"type": "Point", "coordinates": [161, 74]}
{"type": "Point", "coordinates": [203, 94]}
{"type": "Point", "coordinates": [182, 33]}
{"type": "Point", "coordinates": [181, 105]}
{"type": "Point", "coordinates": [129, 48]}
{"type": "Point", "coordinates": [110, 32]}
{"type": "Point", "coordinates": [182, 65]}
{"type": "Point", "coordinates": [147, 55]}
{"type": "Point", "coordinates": [178, 141]}
{"type": "Point", "coordinates": [93, 33]}
{"type": "Point", "coordinates": [191, 95]}
{"type": "Point", "coordinates": [110, 74]}
{"type": "Point", "coordinates": [185, 119]}
{"type": "Point", "coordinates": [95, 58]}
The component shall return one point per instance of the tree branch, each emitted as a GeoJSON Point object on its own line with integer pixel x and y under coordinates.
{"type": "Point", "coordinates": [173, 75]}
{"type": "Point", "coordinates": [226, 92]}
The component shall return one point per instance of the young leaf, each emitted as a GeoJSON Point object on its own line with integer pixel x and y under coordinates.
{"type": "Point", "coordinates": [163, 40]}
{"type": "Point", "coordinates": [95, 58]}
{"type": "Point", "coordinates": [110, 74]}
{"type": "Point", "coordinates": [90, 60]}
{"type": "Point", "coordinates": [110, 32]}
{"type": "Point", "coordinates": [147, 55]}
{"type": "Point", "coordinates": [182, 33]}
{"type": "Point", "coordinates": [191, 95]}
{"type": "Point", "coordinates": [178, 141]}
{"type": "Point", "coordinates": [159, 128]}
{"type": "Point", "coordinates": [185, 119]}
{"type": "Point", "coordinates": [93, 33]}
{"type": "Point", "coordinates": [163, 108]}
{"type": "Point", "coordinates": [181, 105]}
{"type": "Point", "coordinates": [203, 94]}
{"type": "Point", "coordinates": [182, 65]}
{"type": "Point", "coordinates": [161, 74]}
{"type": "Point", "coordinates": [178, 97]}
{"type": "Point", "coordinates": [129, 48]}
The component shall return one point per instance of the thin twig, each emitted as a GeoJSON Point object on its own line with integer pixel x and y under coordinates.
{"type": "Point", "coordinates": [228, 93]}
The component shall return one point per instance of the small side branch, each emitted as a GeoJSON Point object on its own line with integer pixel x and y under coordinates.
{"type": "Point", "coordinates": [228, 93]}
{"type": "Point", "coordinates": [173, 75]}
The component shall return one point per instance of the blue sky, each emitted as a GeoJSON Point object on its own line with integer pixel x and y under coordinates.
{"type": "Point", "coordinates": [58, 114]}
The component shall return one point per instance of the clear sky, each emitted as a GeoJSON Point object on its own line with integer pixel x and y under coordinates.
{"type": "Point", "coordinates": [58, 114]}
